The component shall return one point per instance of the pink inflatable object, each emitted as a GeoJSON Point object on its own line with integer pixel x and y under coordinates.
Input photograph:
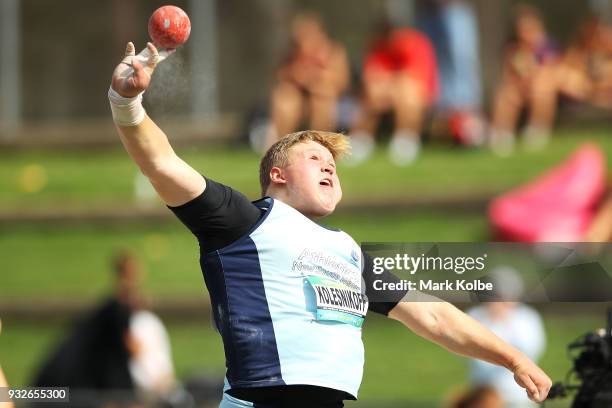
{"type": "Point", "coordinates": [557, 206]}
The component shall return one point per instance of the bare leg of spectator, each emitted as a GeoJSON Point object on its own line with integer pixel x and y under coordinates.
{"type": "Point", "coordinates": [376, 100]}
{"type": "Point", "coordinates": [506, 108]}
{"type": "Point", "coordinates": [573, 83]}
{"type": "Point", "coordinates": [362, 135]}
{"type": "Point", "coordinates": [409, 105]}
{"type": "Point", "coordinates": [287, 109]}
{"type": "Point", "coordinates": [543, 107]}
{"type": "Point", "coordinates": [323, 112]}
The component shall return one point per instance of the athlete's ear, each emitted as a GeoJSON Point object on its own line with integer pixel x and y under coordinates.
{"type": "Point", "coordinates": [277, 176]}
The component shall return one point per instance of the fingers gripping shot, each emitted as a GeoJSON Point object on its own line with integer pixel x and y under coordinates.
{"type": "Point", "coordinates": [266, 263]}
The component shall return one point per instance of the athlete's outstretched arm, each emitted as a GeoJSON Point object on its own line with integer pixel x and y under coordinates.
{"type": "Point", "coordinates": [174, 180]}
{"type": "Point", "coordinates": [454, 330]}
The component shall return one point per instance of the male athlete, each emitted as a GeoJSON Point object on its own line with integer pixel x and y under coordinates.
{"type": "Point", "coordinates": [270, 269]}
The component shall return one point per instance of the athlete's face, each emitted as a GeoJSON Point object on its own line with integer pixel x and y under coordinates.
{"type": "Point", "coordinates": [311, 183]}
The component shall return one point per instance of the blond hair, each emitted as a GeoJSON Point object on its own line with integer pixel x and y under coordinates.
{"type": "Point", "coordinates": [278, 154]}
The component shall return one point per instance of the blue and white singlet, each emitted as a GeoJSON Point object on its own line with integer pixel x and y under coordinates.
{"type": "Point", "coordinates": [288, 300]}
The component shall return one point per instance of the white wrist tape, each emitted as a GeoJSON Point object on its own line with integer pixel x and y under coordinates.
{"type": "Point", "coordinates": [126, 111]}
{"type": "Point", "coordinates": [129, 111]}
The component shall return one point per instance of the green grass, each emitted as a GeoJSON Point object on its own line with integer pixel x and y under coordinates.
{"type": "Point", "coordinates": [56, 261]}
{"type": "Point", "coordinates": [399, 365]}
{"type": "Point", "coordinates": [75, 262]}
{"type": "Point", "coordinates": [98, 179]}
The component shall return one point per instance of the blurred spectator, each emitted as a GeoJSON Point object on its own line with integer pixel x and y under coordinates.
{"type": "Point", "coordinates": [528, 82]}
{"type": "Point", "coordinates": [310, 80]}
{"type": "Point", "coordinates": [586, 70]}
{"type": "Point", "coordinates": [482, 396]}
{"type": "Point", "coordinates": [515, 323]}
{"type": "Point", "coordinates": [399, 76]}
{"type": "Point", "coordinates": [150, 365]}
{"type": "Point", "coordinates": [118, 348]}
{"type": "Point", "coordinates": [452, 26]}
{"type": "Point", "coordinates": [3, 382]}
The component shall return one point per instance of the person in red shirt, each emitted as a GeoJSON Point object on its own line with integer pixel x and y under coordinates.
{"type": "Point", "coordinates": [399, 76]}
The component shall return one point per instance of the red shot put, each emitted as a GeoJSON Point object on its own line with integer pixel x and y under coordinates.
{"type": "Point", "coordinates": [169, 27]}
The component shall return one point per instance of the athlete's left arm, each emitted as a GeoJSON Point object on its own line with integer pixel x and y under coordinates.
{"type": "Point", "coordinates": [454, 330]}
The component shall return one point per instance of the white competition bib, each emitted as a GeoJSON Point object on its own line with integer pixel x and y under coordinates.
{"type": "Point", "coordinates": [337, 302]}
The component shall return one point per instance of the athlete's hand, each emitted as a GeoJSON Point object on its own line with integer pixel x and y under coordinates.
{"type": "Point", "coordinates": [133, 74]}
{"type": "Point", "coordinates": [533, 379]}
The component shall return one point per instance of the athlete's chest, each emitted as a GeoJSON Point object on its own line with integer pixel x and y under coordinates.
{"type": "Point", "coordinates": [315, 269]}
{"type": "Point", "coordinates": [296, 246]}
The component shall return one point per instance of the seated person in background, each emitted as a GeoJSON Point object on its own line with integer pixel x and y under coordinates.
{"type": "Point", "coordinates": [528, 82]}
{"type": "Point", "coordinates": [585, 73]}
{"type": "Point", "coordinates": [309, 81]}
{"type": "Point", "coordinates": [399, 76]}
{"type": "Point", "coordinates": [515, 323]}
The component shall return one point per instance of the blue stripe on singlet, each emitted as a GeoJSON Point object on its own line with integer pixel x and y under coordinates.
{"type": "Point", "coordinates": [233, 276]}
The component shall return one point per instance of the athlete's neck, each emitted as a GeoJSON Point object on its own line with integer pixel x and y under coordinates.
{"type": "Point", "coordinates": [296, 206]}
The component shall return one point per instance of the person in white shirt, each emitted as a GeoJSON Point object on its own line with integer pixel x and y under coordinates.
{"type": "Point", "coordinates": [516, 323]}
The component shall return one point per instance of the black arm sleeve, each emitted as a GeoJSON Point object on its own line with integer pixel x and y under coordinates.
{"type": "Point", "coordinates": [219, 216]}
{"type": "Point", "coordinates": [381, 301]}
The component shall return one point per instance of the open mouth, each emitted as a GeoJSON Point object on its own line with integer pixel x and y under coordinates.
{"type": "Point", "coordinates": [326, 182]}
